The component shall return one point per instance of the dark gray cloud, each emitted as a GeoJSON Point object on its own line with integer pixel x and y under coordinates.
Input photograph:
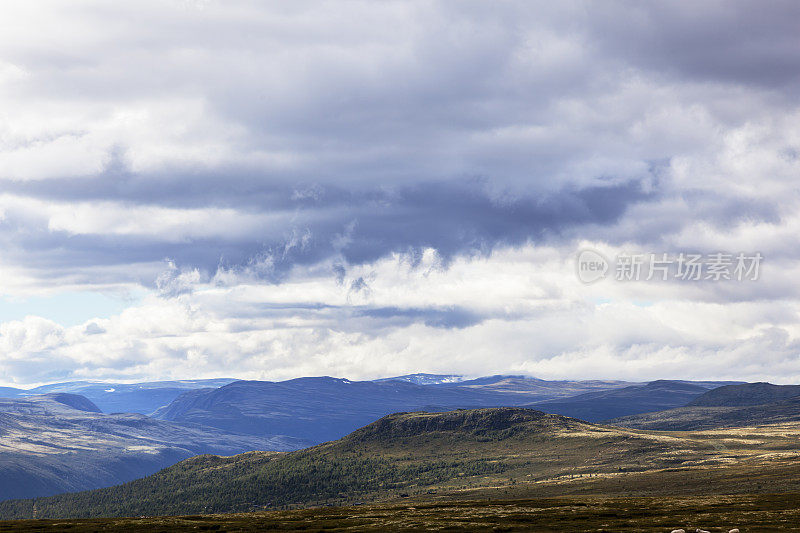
{"type": "Point", "coordinates": [359, 226]}
{"type": "Point", "coordinates": [741, 41]}
{"type": "Point", "coordinates": [448, 318]}
{"type": "Point", "coordinates": [377, 129]}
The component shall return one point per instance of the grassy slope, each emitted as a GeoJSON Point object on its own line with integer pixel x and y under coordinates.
{"type": "Point", "coordinates": [478, 454]}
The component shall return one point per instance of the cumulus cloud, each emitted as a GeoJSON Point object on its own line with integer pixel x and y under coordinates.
{"type": "Point", "coordinates": [533, 316]}
{"type": "Point", "coordinates": [295, 158]}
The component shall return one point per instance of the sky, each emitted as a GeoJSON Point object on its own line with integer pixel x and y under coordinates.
{"type": "Point", "coordinates": [267, 190]}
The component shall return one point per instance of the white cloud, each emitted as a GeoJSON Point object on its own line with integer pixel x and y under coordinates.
{"type": "Point", "coordinates": [295, 164]}
{"type": "Point", "coordinates": [531, 314]}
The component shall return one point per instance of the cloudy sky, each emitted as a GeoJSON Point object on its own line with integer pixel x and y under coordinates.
{"type": "Point", "coordinates": [361, 189]}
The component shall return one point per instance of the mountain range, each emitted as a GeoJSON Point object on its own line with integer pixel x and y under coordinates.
{"type": "Point", "coordinates": [112, 397]}
{"type": "Point", "coordinates": [55, 440]}
{"type": "Point", "coordinates": [466, 455]}
{"type": "Point", "coordinates": [50, 442]}
{"type": "Point", "coordinates": [323, 408]}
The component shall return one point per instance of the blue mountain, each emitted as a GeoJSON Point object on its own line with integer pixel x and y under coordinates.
{"type": "Point", "coordinates": [141, 398]}
{"type": "Point", "coordinates": [325, 408]}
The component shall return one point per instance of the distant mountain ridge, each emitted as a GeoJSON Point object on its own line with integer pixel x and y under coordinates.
{"type": "Point", "coordinates": [252, 415]}
{"type": "Point", "coordinates": [61, 442]}
{"type": "Point", "coordinates": [426, 379]}
{"type": "Point", "coordinates": [324, 408]}
{"type": "Point", "coordinates": [603, 405]}
{"type": "Point", "coordinates": [147, 397]}
{"type": "Point", "coordinates": [746, 394]}
{"type": "Point", "coordinates": [543, 388]}
{"type": "Point", "coordinates": [746, 404]}
{"type": "Point", "coordinates": [143, 398]}
{"type": "Point", "coordinates": [317, 409]}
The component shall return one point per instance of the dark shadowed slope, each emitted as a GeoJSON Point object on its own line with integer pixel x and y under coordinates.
{"type": "Point", "coordinates": [730, 406]}
{"type": "Point", "coordinates": [602, 405]}
{"type": "Point", "coordinates": [746, 394]}
{"type": "Point", "coordinates": [60, 442]}
{"type": "Point", "coordinates": [75, 401]}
